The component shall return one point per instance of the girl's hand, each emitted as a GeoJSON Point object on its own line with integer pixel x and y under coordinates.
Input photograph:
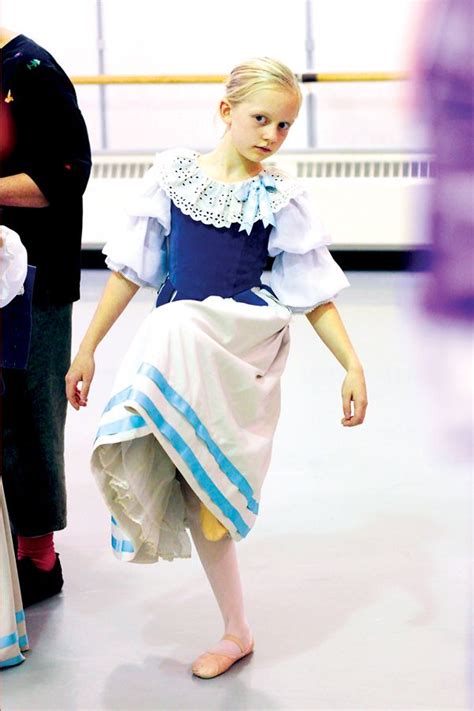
{"type": "Point", "coordinates": [354, 391]}
{"type": "Point", "coordinates": [81, 371]}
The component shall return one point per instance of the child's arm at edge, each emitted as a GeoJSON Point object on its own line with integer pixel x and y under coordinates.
{"type": "Point", "coordinates": [328, 325]}
{"type": "Point", "coordinates": [117, 294]}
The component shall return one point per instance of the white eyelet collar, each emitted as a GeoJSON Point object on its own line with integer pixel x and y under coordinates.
{"type": "Point", "coordinates": [222, 204]}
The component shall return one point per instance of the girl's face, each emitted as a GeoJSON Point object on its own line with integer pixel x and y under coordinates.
{"type": "Point", "coordinates": [258, 126]}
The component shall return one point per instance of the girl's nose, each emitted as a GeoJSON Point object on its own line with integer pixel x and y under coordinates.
{"type": "Point", "coordinates": [270, 134]}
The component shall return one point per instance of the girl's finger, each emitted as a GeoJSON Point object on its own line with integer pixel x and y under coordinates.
{"type": "Point", "coordinates": [84, 392]}
{"type": "Point", "coordinates": [346, 405]}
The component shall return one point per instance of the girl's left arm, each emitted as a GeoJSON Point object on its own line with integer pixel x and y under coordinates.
{"type": "Point", "coordinates": [328, 325]}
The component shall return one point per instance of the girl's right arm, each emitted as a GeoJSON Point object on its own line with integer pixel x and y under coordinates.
{"type": "Point", "coordinates": [117, 294]}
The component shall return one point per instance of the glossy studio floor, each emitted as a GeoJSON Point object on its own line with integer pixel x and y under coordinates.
{"type": "Point", "coordinates": [357, 574]}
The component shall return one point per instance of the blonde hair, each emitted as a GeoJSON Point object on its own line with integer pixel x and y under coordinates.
{"type": "Point", "coordinates": [256, 74]}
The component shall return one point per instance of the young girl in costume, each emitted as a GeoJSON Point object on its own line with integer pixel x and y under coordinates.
{"type": "Point", "coordinates": [185, 440]}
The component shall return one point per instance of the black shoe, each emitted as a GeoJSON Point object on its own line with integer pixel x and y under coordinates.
{"type": "Point", "coordinates": [36, 584]}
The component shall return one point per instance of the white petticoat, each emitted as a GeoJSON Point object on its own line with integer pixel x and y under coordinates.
{"type": "Point", "coordinates": [198, 392]}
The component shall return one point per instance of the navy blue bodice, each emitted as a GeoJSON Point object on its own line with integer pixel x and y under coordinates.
{"type": "Point", "coordinates": [213, 261]}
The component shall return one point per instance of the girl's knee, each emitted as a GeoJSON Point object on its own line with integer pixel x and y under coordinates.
{"type": "Point", "coordinates": [198, 516]}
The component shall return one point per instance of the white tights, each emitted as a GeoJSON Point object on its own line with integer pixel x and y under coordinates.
{"type": "Point", "coordinates": [219, 560]}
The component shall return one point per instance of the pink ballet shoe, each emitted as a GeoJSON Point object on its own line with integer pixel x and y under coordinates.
{"type": "Point", "coordinates": [211, 664]}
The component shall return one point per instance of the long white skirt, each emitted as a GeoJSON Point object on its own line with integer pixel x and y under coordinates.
{"type": "Point", "coordinates": [13, 638]}
{"type": "Point", "coordinates": [198, 393]}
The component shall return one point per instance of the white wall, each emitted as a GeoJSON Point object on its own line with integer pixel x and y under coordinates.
{"type": "Point", "coordinates": [210, 36]}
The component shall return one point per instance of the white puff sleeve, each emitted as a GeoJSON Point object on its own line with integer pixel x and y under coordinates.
{"type": "Point", "coordinates": [304, 274]}
{"type": "Point", "coordinates": [140, 251]}
{"type": "Point", "coordinates": [13, 265]}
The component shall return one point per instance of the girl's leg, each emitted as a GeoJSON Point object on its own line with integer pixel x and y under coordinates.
{"type": "Point", "coordinates": [219, 559]}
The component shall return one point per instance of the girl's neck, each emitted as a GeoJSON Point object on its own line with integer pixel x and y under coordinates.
{"type": "Point", "coordinates": [226, 165]}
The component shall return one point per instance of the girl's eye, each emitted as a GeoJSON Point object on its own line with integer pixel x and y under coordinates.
{"type": "Point", "coordinates": [260, 119]}
{"type": "Point", "coordinates": [284, 125]}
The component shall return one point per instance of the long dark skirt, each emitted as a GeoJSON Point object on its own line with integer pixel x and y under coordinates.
{"type": "Point", "coordinates": [33, 419]}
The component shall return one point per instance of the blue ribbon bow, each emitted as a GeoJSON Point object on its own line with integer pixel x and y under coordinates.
{"type": "Point", "coordinates": [255, 196]}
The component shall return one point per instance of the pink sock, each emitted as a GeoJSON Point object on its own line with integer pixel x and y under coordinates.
{"type": "Point", "coordinates": [39, 548]}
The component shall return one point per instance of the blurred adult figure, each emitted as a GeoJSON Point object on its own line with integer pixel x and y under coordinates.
{"type": "Point", "coordinates": [444, 74]}
{"type": "Point", "coordinates": [42, 181]}
{"type": "Point", "coordinates": [445, 67]}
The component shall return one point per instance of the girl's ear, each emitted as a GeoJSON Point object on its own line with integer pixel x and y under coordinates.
{"type": "Point", "coordinates": [225, 111]}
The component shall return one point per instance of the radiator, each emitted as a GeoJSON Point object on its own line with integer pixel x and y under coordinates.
{"type": "Point", "coordinates": [366, 200]}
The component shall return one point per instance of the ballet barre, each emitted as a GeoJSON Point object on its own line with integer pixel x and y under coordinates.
{"type": "Point", "coordinates": [305, 78]}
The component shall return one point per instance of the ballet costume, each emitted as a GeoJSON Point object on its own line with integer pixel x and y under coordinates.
{"type": "Point", "coordinates": [197, 394]}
